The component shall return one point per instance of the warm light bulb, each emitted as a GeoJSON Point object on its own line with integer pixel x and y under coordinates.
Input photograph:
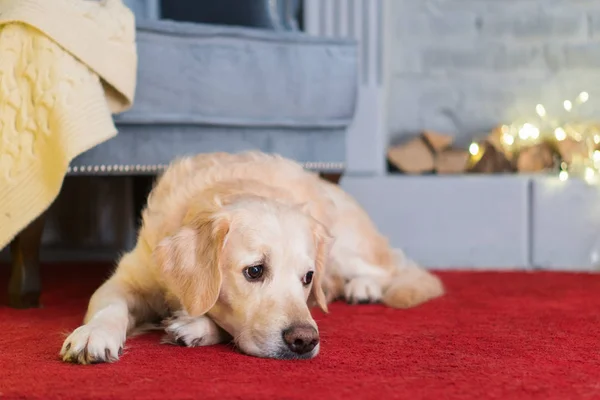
{"type": "Point", "coordinates": [529, 131]}
{"type": "Point", "coordinates": [540, 110]}
{"type": "Point", "coordinates": [563, 175]}
{"type": "Point", "coordinates": [596, 156]}
{"type": "Point", "coordinates": [474, 149]}
{"type": "Point", "coordinates": [560, 134]}
{"type": "Point", "coordinates": [568, 105]}
{"type": "Point", "coordinates": [508, 139]}
{"type": "Point", "coordinates": [589, 174]}
{"type": "Point", "coordinates": [583, 97]}
{"type": "Point", "coordinates": [596, 139]}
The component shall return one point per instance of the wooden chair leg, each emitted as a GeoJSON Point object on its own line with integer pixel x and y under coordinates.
{"type": "Point", "coordinates": [333, 178]}
{"type": "Point", "coordinates": [24, 287]}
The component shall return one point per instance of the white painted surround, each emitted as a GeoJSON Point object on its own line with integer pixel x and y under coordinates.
{"type": "Point", "coordinates": [365, 22]}
{"type": "Point", "coordinates": [474, 222]}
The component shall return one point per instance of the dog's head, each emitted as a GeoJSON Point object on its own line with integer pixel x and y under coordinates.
{"type": "Point", "coordinates": [252, 265]}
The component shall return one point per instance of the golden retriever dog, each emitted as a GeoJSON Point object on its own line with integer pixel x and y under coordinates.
{"type": "Point", "coordinates": [239, 247]}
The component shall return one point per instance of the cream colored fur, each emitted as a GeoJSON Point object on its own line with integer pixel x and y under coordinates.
{"type": "Point", "coordinates": [209, 217]}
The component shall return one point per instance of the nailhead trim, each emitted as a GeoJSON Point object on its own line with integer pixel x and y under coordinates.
{"type": "Point", "coordinates": [154, 168]}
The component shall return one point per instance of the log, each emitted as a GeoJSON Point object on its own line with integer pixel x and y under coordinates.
{"type": "Point", "coordinates": [491, 161]}
{"type": "Point", "coordinates": [438, 141]}
{"type": "Point", "coordinates": [452, 161]}
{"type": "Point", "coordinates": [568, 148]}
{"type": "Point", "coordinates": [536, 158]}
{"type": "Point", "coordinates": [495, 139]}
{"type": "Point", "coordinates": [413, 157]}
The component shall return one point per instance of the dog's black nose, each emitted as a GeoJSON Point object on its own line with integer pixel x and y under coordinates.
{"type": "Point", "coordinates": [301, 339]}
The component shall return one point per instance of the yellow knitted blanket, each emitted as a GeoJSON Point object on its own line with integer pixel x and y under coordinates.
{"type": "Point", "coordinates": [65, 67]}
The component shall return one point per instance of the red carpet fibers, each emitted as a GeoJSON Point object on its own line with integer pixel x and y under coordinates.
{"type": "Point", "coordinates": [494, 336]}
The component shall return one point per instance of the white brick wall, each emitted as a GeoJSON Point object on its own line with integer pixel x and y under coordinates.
{"type": "Point", "coordinates": [463, 66]}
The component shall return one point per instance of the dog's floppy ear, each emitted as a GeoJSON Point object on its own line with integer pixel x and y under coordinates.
{"type": "Point", "coordinates": [190, 262]}
{"type": "Point", "coordinates": [323, 243]}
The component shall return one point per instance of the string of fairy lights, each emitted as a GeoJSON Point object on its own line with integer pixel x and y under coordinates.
{"type": "Point", "coordinates": [546, 128]}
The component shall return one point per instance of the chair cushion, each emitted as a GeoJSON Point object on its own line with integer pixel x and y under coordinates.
{"type": "Point", "coordinates": [235, 76]}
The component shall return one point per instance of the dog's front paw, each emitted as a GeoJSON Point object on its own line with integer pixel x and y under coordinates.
{"type": "Point", "coordinates": [192, 332]}
{"type": "Point", "coordinates": [91, 344]}
{"type": "Point", "coordinates": [362, 290]}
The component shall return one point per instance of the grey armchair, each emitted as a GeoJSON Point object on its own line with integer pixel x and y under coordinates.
{"type": "Point", "coordinates": [227, 79]}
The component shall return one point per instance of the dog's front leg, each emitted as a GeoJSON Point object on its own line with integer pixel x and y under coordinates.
{"type": "Point", "coordinates": [189, 331]}
{"type": "Point", "coordinates": [105, 328]}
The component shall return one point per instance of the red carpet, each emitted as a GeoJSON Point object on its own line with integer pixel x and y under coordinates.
{"type": "Point", "coordinates": [494, 336]}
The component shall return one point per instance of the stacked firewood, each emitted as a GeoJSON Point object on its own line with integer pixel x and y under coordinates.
{"type": "Point", "coordinates": [433, 152]}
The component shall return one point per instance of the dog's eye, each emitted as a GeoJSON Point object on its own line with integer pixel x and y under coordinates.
{"type": "Point", "coordinates": [254, 272]}
{"type": "Point", "coordinates": [307, 278]}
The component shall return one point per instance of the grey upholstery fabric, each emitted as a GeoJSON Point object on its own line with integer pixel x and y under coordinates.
{"type": "Point", "coordinates": [206, 74]}
{"type": "Point", "coordinates": [157, 145]}
{"type": "Point", "coordinates": [204, 88]}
